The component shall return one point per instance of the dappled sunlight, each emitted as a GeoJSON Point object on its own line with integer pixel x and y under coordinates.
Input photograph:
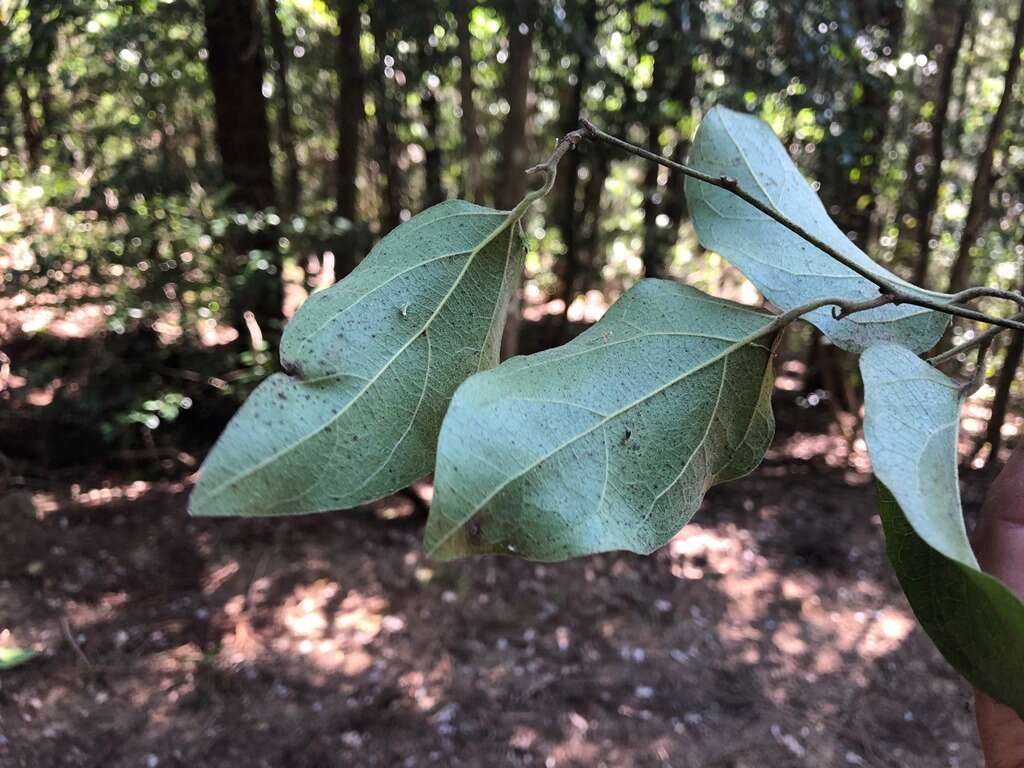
{"type": "Point", "coordinates": [180, 183]}
{"type": "Point", "coordinates": [588, 308]}
{"type": "Point", "coordinates": [720, 630]}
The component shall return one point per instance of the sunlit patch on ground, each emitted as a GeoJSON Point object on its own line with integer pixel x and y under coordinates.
{"type": "Point", "coordinates": [769, 631]}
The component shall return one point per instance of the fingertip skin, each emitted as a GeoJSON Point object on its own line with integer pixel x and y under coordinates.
{"type": "Point", "coordinates": [999, 536]}
{"type": "Point", "coordinates": [999, 542]}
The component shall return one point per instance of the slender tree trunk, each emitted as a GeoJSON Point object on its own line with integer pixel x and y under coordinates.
{"type": "Point", "coordinates": [42, 35]}
{"type": "Point", "coordinates": [514, 148]}
{"type": "Point", "coordinates": [977, 212]}
{"type": "Point", "coordinates": [674, 78]}
{"type": "Point", "coordinates": [285, 130]}
{"type": "Point", "coordinates": [689, 26]}
{"type": "Point", "coordinates": [235, 65]}
{"type": "Point", "coordinates": [1001, 401]}
{"type": "Point", "coordinates": [351, 109]}
{"type": "Point", "coordinates": [387, 115]}
{"type": "Point", "coordinates": [852, 198]}
{"type": "Point", "coordinates": [569, 172]}
{"type": "Point", "coordinates": [201, 145]}
{"type": "Point", "coordinates": [568, 175]}
{"type": "Point", "coordinates": [511, 187]}
{"type": "Point", "coordinates": [471, 177]}
{"type": "Point", "coordinates": [966, 76]}
{"type": "Point", "coordinates": [433, 155]}
{"type": "Point", "coordinates": [590, 225]}
{"type": "Point", "coordinates": [652, 255]}
{"type": "Point", "coordinates": [31, 130]}
{"type": "Point", "coordinates": [933, 177]}
{"type": "Point", "coordinates": [947, 25]}
{"type": "Point", "coordinates": [433, 160]}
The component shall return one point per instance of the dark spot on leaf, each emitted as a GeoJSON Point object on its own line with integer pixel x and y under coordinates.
{"type": "Point", "coordinates": [293, 369]}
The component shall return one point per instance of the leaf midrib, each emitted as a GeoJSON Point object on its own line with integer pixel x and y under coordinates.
{"type": "Point", "coordinates": [725, 352]}
{"type": "Point", "coordinates": [371, 381]}
{"type": "Point", "coordinates": [366, 294]}
{"type": "Point", "coordinates": [871, 264]}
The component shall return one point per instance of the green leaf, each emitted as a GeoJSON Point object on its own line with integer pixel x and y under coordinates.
{"type": "Point", "coordinates": [373, 363]}
{"type": "Point", "coordinates": [911, 420]}
{"type": "Point", "coordinates": [788, 270]}
{"type": "Point", "coordinates": [608, 442]}
{"type": "Point", "coordinates": [11, 657]}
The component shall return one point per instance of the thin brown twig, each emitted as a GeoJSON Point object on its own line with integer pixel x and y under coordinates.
{"type": "Point", "coordinates": [982, 338]}
{"type": "Point", "coordinates": [840, 312]}
{"type": "Point", "coordinates": [983, 292]}
{"type": "Point", "coordinates": [66, 628]}
{"type": "Point", "coordinates": [549, 168]}
{"type": "Point", "coordinates": [974, 383]}
{"type": "Point", "coordinates": [570, 141]}
{"type": "Point", "coordinates": [899, 295]}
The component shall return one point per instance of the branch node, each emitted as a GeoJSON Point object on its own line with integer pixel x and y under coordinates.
{"type": "Point", "coordinates": [840, 311]}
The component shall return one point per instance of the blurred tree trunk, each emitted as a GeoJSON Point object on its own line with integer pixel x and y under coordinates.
{"type": "Point", "coordinates": [43, 20]}
{"type": "Point", "coordinates": [966, 76]}
{"type": "Point", "coordinates": [387, 115]}
{"type": "Point", "coordinates": [511, 186]}
{"type": "Point", "coordinates": [652, 254]}
{"type": "Point", "coordinates": [590, 245]}
{"type": "Point", "coordinates": [285, 130]}
{"type": "Point", "coordinates": [690, 28]}
{"type": "Point", "coordinates": [933, 177]}
{"type": "Point", "coordinates": [515, 158]}
{"type": "Point", "coordinates": [946, 26]}
{"type": "Point", "coordinates": [849, 185]}
{"type": "Point", "coordinates": [978, 211]}
{"type": "Point", "coordinates": [430, 64]}
{"type": "Point", "coordinates": [201, 145]}
{"type": "Point", "coordinates": [433, 161]}
{"type": "Point", "coordinates": [567, 180]}
{"type": "Point", "coordinates": [32, 133]}
{"type": "Point", "coordinates": [675, 83]}
{"type": "Point", "coordinates": [351, 110]}
{"type": "Point", "coordinates": [236, 67]}
{"type": "Point", "coordinates": [1001, 401]}
{"type": "Point", "coordinates": [471, 177]}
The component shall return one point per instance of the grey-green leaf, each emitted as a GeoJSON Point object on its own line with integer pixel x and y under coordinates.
{"type": "Point", "coordinates": [911, 421]}
{"type": "Point", "coordinates": [608, 442]}
{"type": "Point", "coordinates": [788, 270]}
{"type": "Point", "coordinates": [371, 364]}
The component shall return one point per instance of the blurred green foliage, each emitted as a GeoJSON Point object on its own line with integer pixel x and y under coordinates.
{"type": "Point", "coordinates": [114, 214]}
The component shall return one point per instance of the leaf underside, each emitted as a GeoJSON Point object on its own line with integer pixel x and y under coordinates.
{"type": "Point", "coordinates": [373, 363]}
{"type": "Point", "coordinates": [788, 270]}
{"type": "Point", "coordinates": [911, 423]}
{"type": "Point", "coordinates": [608, 442]}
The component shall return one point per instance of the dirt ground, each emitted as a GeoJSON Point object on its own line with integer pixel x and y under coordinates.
{"type": "Point", "coordinates": [770, 632]}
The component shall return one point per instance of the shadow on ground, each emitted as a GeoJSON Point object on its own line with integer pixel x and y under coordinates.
{"type": "Point", "coordinates": [769, 632]}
